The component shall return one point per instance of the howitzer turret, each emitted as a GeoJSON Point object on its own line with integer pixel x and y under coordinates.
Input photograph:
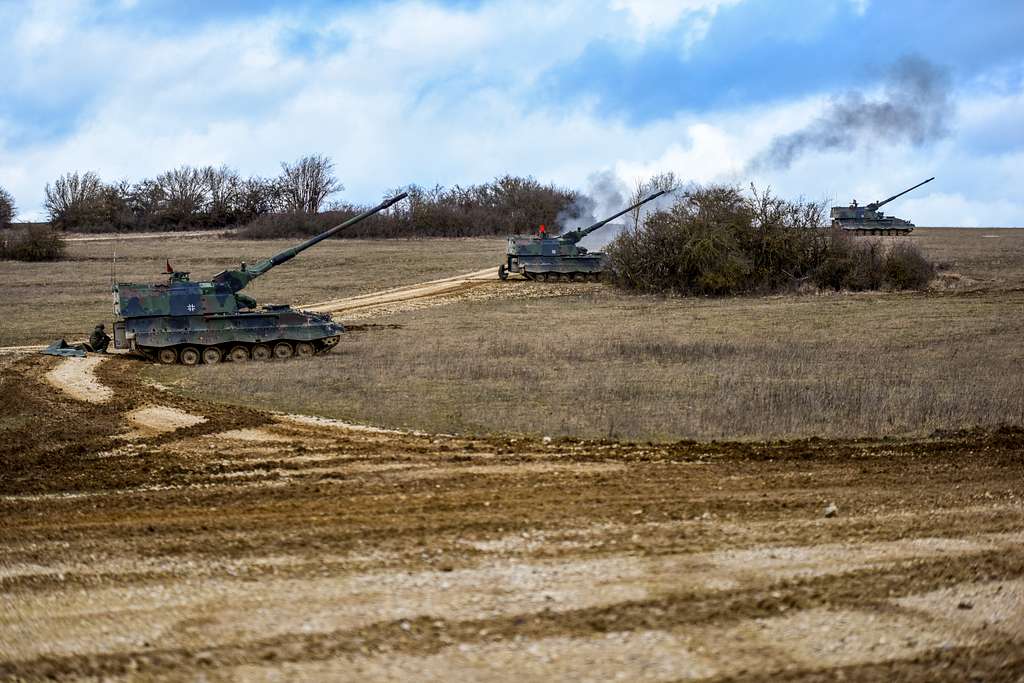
{"type": "Point", "coordinates": [874, 206]}
{"type": "Point", "coordinates": [868, 220]}
{"type": "Point", "coordinates": [191, 321]}
{"type": "Point", "coordinates": [539, 257]}
{"type": "Point", "coordinates": [576, 235]}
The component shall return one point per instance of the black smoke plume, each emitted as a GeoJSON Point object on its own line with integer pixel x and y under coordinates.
{"type": "Point", "coordinates": [604, 193]}
{"type": "Point", "coordinates": [915, 108]}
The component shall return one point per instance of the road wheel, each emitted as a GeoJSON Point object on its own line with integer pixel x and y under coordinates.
{"type": "Point", "coordinates": [261, 352]}
{"type": "Point", "coordinates": [238, 354]}
{"type": "Point", "coordinates": [502, 273]}
{"type": "Point", "coordinates": [283, 350]}
{"type": "Point", "coordinates": [304, 350]}
{"type": "Point", "coordinates": [212, 355]}
{"type": "Point", "coordinates": [189, 355]}
{"type": "Point", "coordinates": [167, 356]}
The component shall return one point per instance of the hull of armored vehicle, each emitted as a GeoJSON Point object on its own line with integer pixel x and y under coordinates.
{"type": "Point", "coordinates": [544, 258]}
{"type": "Point", "coordinates": [582, 267]}
{"type": "Point", "coordinates": [270, 332]}
{"type": "Point", "coordinates": [885, 226]}
{"type": "Point", "coordinates": [539, 257]}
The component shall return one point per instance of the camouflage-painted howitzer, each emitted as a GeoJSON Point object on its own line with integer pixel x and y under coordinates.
{"type": "Point", "coordinates": [188, 322]}
{"type": "Point", "coordinates": [539, 257]}
{"type": "Point", "coordinates": [868, 220]}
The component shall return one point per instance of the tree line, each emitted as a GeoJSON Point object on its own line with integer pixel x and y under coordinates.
{"type": "Point", "coordinates": [296, 202]}
{"type": "Point", "coordinates": [187, 197]}
{"type": "Point", "coordinates": [504, 205]}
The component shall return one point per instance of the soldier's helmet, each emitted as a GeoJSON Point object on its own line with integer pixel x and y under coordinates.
{"type": "Point", "coordinates": [100, 326]}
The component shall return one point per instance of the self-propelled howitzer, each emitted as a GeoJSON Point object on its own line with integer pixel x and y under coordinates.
{"type": "Point", "coordinates": [539, 257]}
{"type": "Point", "coordinates": [188, 322]}
{"type": "Point", "coordinates": [868, 220]}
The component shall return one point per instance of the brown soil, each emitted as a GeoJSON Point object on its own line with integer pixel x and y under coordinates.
{"type": "Point", "coordinates": [253, 546]}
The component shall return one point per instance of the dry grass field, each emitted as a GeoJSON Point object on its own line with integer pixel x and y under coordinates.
{"type": "Point", "coordinates": [177, 532]}
{"type": "Point", "coordinates": [46, 301]}
{"type": "Point", "coordinates": [595, 363]}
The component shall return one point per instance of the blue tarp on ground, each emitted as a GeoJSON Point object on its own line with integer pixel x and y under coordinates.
{"type": "Point", "coordinates": [62, 348]}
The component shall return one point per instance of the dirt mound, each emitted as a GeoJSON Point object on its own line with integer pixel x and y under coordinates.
{"type": "Point", "coordinates": [161, 419]}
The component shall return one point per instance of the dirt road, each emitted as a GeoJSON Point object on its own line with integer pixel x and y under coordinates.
{"type": "Point", "coordinates": [150, 535]}
{"type": "Point", "coordinates": [119, 236]}
{"type": "Point", "coordinates": [400, 297]}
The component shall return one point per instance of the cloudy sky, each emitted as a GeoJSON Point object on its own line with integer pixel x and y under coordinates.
{"type": "Point", "coordinates": [820, 98]}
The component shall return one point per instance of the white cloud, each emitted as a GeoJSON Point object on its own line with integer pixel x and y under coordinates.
{"type": "Point", "coordinates": [652, 18]}
{"type": "Point", "coordinates": [417, 93]}
{"type": "Point", "coordinates": [647, 17]}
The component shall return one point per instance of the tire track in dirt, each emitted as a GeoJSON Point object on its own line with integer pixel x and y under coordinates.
{"type": "Point", "coordinates": [76, 377]}
{"type": "Point", "coordinates": [863, 611]}
{"type": "Point", "coordinates": [256, 545]}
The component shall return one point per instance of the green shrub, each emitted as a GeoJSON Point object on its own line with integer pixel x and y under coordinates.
{"type": "Point", "coordinates": [858, 264]}
{"type": "Point", "coordinates": [907, 268]}
{"type": "Point", "coordinates": [34, 243]}
{"type": "Point", "coordinates": [718, 240]}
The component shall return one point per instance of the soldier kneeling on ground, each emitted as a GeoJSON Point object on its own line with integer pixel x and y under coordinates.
{"type": "Point", "coordinates": [99, 341]}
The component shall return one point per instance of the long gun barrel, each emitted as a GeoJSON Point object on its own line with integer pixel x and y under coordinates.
{"type": "Point", "coordinates": [237, 279]}
{"type": "Point", "coordinates": [876, 205]}
{"type": "Point", "coordinates": [580, 233]}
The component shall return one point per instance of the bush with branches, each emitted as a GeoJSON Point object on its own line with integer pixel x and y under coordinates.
{"type": "Point", "coordinates": [7, 209]}
{"type": "Point", "coordinates": [34, 243]}
{"type": "Point", "coordinates": [718, 240]}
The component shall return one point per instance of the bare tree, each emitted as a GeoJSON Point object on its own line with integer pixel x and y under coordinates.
{"type": "Point", "coordinates": [74, 199]}
{"type": "Point", "coordinates": [256, 197]}
{"type": "Point", "coordinates": [185, 192]}
{"type": "Point", "coordinates": [666, 181]}
{"type": "Point", "coordinates": [223, 189]}
{"type": "Point", "coordinates": [7, 209]}
{"type": "Point", "coordinates": [305, 184]}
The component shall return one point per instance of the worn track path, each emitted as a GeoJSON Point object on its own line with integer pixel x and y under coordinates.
{"type": "Point", "coordinates": [390, 298]}
{"type": "Point", "coordinates": [150, 535]}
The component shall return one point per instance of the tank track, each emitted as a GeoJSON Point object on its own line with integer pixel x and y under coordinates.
{"type": "Point", "coordinates": [879, 231]}
{"type": "Point", "coordinates": [238, 352]}
{"type": "Point", "coordinates": [564, 277]}
{"type": "Point", "coordinates": [556, 277]}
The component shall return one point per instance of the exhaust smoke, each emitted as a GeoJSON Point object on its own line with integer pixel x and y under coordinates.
{"type": "Point", "coordinates": [916, 108]}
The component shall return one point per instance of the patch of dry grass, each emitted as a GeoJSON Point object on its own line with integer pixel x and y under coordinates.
{"type": "Point", "coordinates": [45, 301]}
{"type": "Point", "coordinates": [599, 363]}
{"type": "Point", "coordinates": [609, 365]}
